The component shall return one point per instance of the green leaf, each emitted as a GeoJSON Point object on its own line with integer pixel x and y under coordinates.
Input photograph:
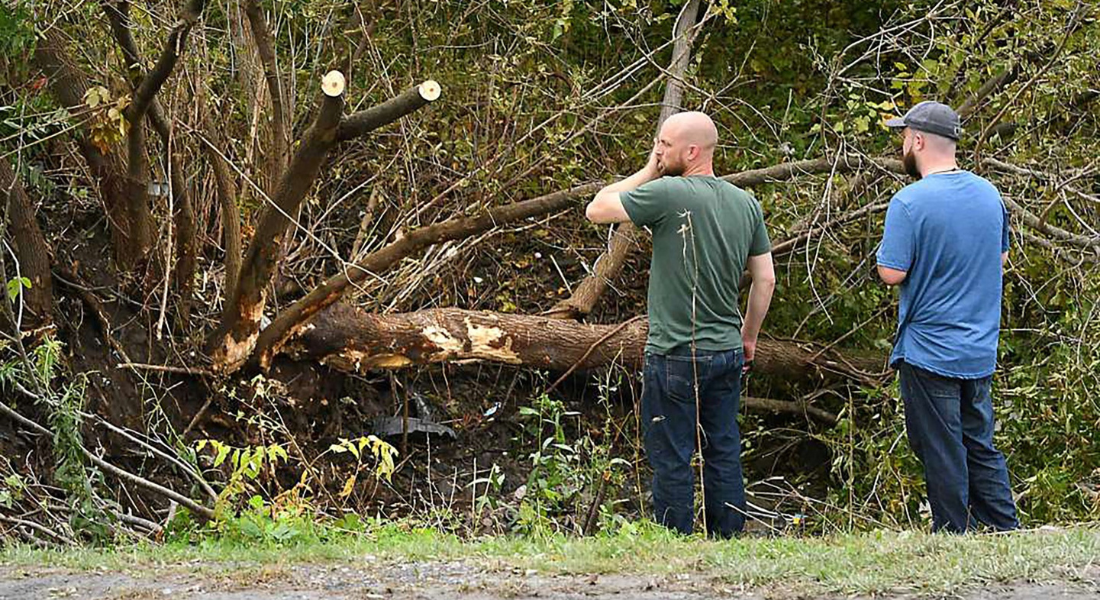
{"type": "Point", "coordinates": [223, 452]}
{"type": "Point", "coordinates": [16, 285]}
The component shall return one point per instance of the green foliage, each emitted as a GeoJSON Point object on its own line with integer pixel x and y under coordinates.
{"type": "Point", "coordinates": [16, 286]}
{"type": "Point", "coordinates": [16, 29]}
{"type": "Point", "coordinates": [63, 403]}
{"type": "Point", "coordinates": [382, 451]}
{"type": "Point", "coordinates": [557, 473]}
{"type": "Point", "coordinates": [566, 469]}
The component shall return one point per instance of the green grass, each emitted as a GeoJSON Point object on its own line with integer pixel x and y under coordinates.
{"type": "Point", "coordinates": [864, 563]}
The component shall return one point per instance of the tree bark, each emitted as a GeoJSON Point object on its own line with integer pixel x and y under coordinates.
{"type": "Point", "coordinates": [241, 320]}
{"type": "Point", "coordinates": [166, 63]}
{"type": "Point", "coordinates": [144, 99]}
{"type": "Point", "coordinates": [365, 121]}
{"type": "Point", "coordinates": [991, 85]}
{"type": "Point", "coordinates": [183, 274]}
{"type": "Point", "coordinates": [607, 266]}
{"type": "Point", "coordinates": [788, 407]}
{"type": "Point", "coordinates": [349, 339]}
{"type": "Point", "coordinates": [230, 213]}
{"type": "Point", "coordinates": [118, 16]}
{"type": "Point", "coordinates": [30, 247]}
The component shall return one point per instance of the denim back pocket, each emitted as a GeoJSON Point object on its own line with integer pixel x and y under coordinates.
{"type": "Point", "coordinates": [685, 376]}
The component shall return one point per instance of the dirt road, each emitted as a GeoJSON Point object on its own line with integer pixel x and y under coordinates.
{"type": "Point", "coordinates": [432, 581]}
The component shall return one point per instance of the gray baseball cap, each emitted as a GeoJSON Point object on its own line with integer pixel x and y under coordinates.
{"type": "Point", "coordinates": [931, 117]}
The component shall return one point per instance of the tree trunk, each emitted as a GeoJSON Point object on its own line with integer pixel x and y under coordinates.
{"type": "Point", "coordinates": [230, 213]}
{"type": "Point", "coordinates": [118, 15]}
{"type": "Point", "coordinates": [236, 336]}
{"type": "Point", "coordinates": [183, 276]}
{"type": "Point", "coordinates": [296, 316]}
{"type": "Point", "coordinates": [348, 339]}
{"type": "Point", "coordinates": [277, 161]}
{"type": "Point", "coordinates": [68, 84]}
{"type": "Point", "coordinates": [30, 248]}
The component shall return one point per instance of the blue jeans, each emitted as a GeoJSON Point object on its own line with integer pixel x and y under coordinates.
{"type": "Point", "coordinates": [672, 386]}
{"type": "Point", "coordinates": [950, 427]}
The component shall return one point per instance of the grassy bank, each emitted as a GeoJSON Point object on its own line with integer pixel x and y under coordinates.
{"type": "Point", "coordinates": [862, 563]}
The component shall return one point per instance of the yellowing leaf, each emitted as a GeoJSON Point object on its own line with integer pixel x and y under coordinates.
{"type": "Point", "coordinates": [349, 485]}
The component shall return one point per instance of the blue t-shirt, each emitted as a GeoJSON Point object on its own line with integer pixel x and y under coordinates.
{"type": "Point", "coordinates": [947, 231]}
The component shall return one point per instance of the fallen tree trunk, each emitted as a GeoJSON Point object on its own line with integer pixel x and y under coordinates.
{"type": "Point", "coordinates": [292, 319]}
{"type": "Point", "coordinates": [349, 339]}
{"type": "Point", "coordinates": [295, 317]}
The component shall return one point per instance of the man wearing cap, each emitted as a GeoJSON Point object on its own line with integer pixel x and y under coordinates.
{"type": "Point", "coordinates": [706, 232]}
{"type": "Point", "coordinates": [945, 243]}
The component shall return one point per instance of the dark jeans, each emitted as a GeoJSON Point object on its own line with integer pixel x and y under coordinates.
{"type": "Point", "coordinates": [950, 426]}
{"type": "Point", "coordinates": [672, 384]}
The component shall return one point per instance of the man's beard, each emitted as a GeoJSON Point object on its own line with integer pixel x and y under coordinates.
{"type": "Point", "coordinates": [672, 170]}
{"type": "Point", "coordinates": [909, 161]}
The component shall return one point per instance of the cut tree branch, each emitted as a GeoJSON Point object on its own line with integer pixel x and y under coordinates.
{"type": "Point", "coordinates": [1071, 28]}
{"type": "Point", "coordinates": [991, 85]}
{"type": "Point", "coordinates": [236, 336]}
{"type": "Point", "coordinates": [241, 317]}
{"type": "Point", "coordinates": [365, 121]}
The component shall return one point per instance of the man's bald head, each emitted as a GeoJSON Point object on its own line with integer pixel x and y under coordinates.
{"type": "Point", "coordinates": [693, 128]}
{"type": "Point", "coordinates": [686, 144]}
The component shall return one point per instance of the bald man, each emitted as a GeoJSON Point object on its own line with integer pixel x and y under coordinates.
{"type": "Point", "coordinates": [706, 232]}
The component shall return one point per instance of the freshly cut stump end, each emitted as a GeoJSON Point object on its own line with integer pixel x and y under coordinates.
{"type": "Point", "coordinates": [333, 84]}
{"type": "Point", "coordinates": [430, 90]}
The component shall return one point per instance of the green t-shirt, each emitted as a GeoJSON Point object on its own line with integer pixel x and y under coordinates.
{"type": "Point", "coordinates": [704, 230]}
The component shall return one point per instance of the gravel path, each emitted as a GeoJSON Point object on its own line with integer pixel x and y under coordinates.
{"type": "Point", "coordinates": [427, 581]}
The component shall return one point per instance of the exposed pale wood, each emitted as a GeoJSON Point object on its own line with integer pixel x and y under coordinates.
{"type": "Point", "coordinates": [352, 340]}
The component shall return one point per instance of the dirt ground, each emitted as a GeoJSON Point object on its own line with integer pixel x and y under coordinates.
{"type": "Point", "coordinates": [429, 581]}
